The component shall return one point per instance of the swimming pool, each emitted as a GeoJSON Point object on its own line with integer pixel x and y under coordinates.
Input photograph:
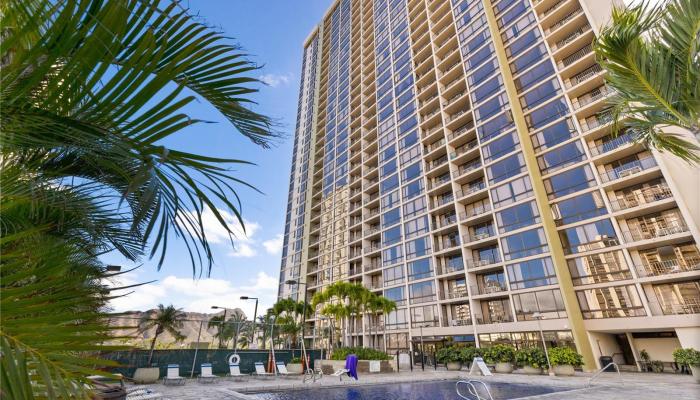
{"type": "Point", "coordinates": [435, 390]}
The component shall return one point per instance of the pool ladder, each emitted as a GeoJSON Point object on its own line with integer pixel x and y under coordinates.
{"type": "Point", "coordinates": [472, 390]}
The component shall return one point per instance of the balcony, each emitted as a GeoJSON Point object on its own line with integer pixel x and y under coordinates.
{"type": "Point", "coordinates": [461, 130]}
{"type": "Point", "coordinates": [596, 121]}
{"type": "Point", "coordinates": [470, 189]}
{"type": "Point", "coordinates": [591, 97]}
{"type": "Point", "coordinates": [584, 75]}
{"type": "Point", "coordinates": [635, 235]}
{"type": "Point", "coordinates": [372, 266]}
{"type": "Point", "coordinates": [439, 181]}
{"type": "Point", "coordinates": [460, 293]}
{"type": "Point", "coordinates": [445, 220]}
{"type": "Point", "coordinates": [612, 144]}
{"type": "Point", "coordinates": [577, 55]}
{"type": "Point", "coordinates": [450, 267]}
{"type": "Point", "coordinates": [689, 306]}
{"type": "Point", "coordinates": [666, 267]}
{"type": "Point", "coordinates": [479, 235]}
{"type": "Point", "coordinates": [436, 163]}
{"type": "Point", "coordinates": [563, 21]}
{"type": "Point", "coordinates": [493, 319]}
{"type": "Point", "coordinates": [446, 243]}
{"type": "Point", "coordinates": [442, 200]}
{"type": "Point", "coordinates": [463, 149]}
{"type": "Point", "coordinates": [466, 168]}
{"type": "Point", "coordinates": [473, 212]}
{"type": "Point", "coordinates": [644, 196]}
{"type": "Point", "coordinates": [571, 37]}
{"type": "Point", "coordinates": [628, 169]}
{"type": "Point", "coordinates": [440, 143]}
{"type": "Point", "coordinates": [471, 264]}
{"type": "Point", "coordinates": [458, 322]}
{"type": "Point", "coordinates": [489, 288]}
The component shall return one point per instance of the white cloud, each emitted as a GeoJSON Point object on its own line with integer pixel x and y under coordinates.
{"type": "Point", "coordinates": [276, 80]}
{"type": "Point", "coordinates": [274, 246]}
{"type": "Point", "coordinates": [198, 295]}
{"type": "Point", "coordinates": [243, 241]}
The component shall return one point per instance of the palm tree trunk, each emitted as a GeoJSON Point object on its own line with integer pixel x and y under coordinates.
{"type": "Point", "coordinates": [153, 345]}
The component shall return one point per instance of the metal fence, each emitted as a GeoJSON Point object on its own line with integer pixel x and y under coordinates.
{"type": "Point", "coordinates": [185, 358]}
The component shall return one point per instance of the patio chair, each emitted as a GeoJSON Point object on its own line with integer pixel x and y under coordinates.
{"type": "Point", "coordinates": [282, 369]}
{"type": "Point", "coordinates": [342, 371]}
{"type": "Point", "coordinates": [206, 376]}
{"type": "Point", "coordinates": [235, 372]}
{"type": "Point", "coordinates": [173, 375]}
{"type": "Point", "coordinates": [260, 371]}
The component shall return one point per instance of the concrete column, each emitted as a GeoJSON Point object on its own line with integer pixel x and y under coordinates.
{"type": "Point", "coordinates": [689, 337]}
{"type": "Point", "coordinates": [635, 353]}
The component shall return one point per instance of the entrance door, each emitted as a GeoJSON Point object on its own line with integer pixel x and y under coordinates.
{"type": "Point", "coordinates": [625, 348]}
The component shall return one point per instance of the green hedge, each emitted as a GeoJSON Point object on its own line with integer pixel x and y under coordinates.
{"type": "Point", "coordinates": [361, 353]}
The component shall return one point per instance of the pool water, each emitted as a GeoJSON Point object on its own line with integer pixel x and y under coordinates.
{"type": "Point", "coordinates": [408, 391]}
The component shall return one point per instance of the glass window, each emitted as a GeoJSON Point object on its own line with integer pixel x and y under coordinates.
{"type": "Point", "coordinates": [524, 244]}
{"type": "Point", "coordinates": [511, 192]}
{"type": "Point", "coordinates": [517, 217]}
{"type": "Point", "coordinates": [548, 303]}
{"type": "Point", "coordinates": [540, 94]}
{"type": "Point", "coordinates": [513, 13]}
{"type": "Point", "coordinates": [408, 140]}
{"type": "Point", "coordinates": [570, 181]}
{"type": "Point", "coordinates": [529, 58]}
{"type": "Point", "coordinates": [526, 40]}
{"type": "Point", "coordinates": [421, 292]}
{"type": "Point", "coordinates": [389, 183]}
{"type": "Point", "coordinates": [391, 217]}
{"type": "Point", "coordinates": [587, 205]}
{"type": "Point", "coordinates": [553, 134]}
{"type": "Point", "coordinates": [476, 58]}
{"type": "Point", "coordinates": [420, 269]}
{"type": "Point", "coordinates": [391, 236]}
{"type": "Point", "coordinates": [483, 72]}
{"type": "Point", "coordinates": [388, 168]}
{"type": "Point", "coordinates": [416, 227]}
{"type": "Point", "coordinates": [596, 235]}
{"type": "Point", "coordinates": [413, 189]}
{"type": "Point", "coordinates": [424, 316]}
{"type": "Point", "coordinates": [488, 88]}
{"type": "Point", "coordinates": [561, 157]}
{"type": "Point", "coordinates": [396, 294]}
{"type": "Point", "coordinates": [414, 207]}
{"type": "Point", "coordinates": [506, 168]}
{"type": "Point", "coordinates": [610, 302]}
{"type": "Point", "coordinates": [598, 268]}
{"type": "Point", "coordinates": [411, 172]}
{"type": "Point", "coordinates": [546, 114]}
{"type": "Point", "coordinates": [418, 247]}
{"type": "Point", "coordinates": [490, 107]}
{"type": "Point", "coordinates": [534, 75]}
{"type": "Point", "coordinates": [392, 255]}
{"type": "Point", "coordinates": [532, 273]}
{"type": "Point", "coordinates": [501, 146]}
{"type": "Point", "coordinates": [496, 126]}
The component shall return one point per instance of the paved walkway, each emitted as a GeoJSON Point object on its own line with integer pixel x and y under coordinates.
{"type": "Point", "coordinates": [635, 386]}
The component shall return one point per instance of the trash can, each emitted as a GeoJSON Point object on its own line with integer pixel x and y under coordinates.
{"type": "Point", "coordinates": [605, 360]}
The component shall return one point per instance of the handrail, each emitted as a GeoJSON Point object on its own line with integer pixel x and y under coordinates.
{"type": "Point", "coordinates": [472, 390]}
{"type": "Point", "coordinates": [617, 368]}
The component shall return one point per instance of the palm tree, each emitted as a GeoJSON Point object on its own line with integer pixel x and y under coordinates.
{"type": "Point", "coordinates": [223, 331]}
{"type": "Point", "coordinates": [91, 91]}
{"type": "Point", "coordinates": [166, 319]}
{"type": "Point", "coordinates": [236, 325]}
{"type": "Point", "coordinates": [653, 66]}
{"type": "Point", "coordinates": [376, 305]}
{"type": "Point", "coordinates": [287, 313]}
{"type": "Point", "coordinates": [263, 334]}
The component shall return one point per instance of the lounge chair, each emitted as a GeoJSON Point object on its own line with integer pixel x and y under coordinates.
{"type": "Point", "coordinates": [342, 371]}
{"type": "Point", "coordinates": [206, 376]}
{"type": "Point", "coordinates": [173, 375]}
{"type": "Point", "coordinates": [260, 371]}
{"type": "Point", "coordinates": [235, 372]}
{"type": "Point", "coordinates": [282, 369]}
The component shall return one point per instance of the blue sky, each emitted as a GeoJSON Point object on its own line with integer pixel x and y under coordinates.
{"type": "Point", "coordinates": [272, 32]}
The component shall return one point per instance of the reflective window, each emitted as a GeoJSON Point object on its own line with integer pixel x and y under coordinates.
{"type": "Point", "coordinates": [419, 269]}
{"type": "Point", "coordinates": [561, 157]}
{"type": "Point", "coordinates": [533, 98]}
{"type": "Point", "coordinates": [501, 146]}
{"type": "Point", "coordinates": [585, 206]}
{"type": "Point", "coordinates": [421, 292]}
{"type": "Point", "coordinates": [413, 189]}
{"type": "Point", "coordinates": [596, 235]}
{"type": "Point", "coordinates": [496, 126]}
{"type": "Point", "coordinates": [530, 57]}
{"type": "Point", "coordinates": [487, 88]}
{"type": "Point", "coordinates": [553, 134]}
{"type": "Point", "coordinates": [506, 168]}
{"type": "Point", "coordinates": [396, 294]}
{"type": "Point", "coordinates": [391, 235]}
{"type": "Point", "coordinates": [418, 247]}
{"type": "Point", "coordinates": [388, 168]}
{"type": "Point", "coordinates": [570, 181]}
{"type": "Point", "coordinates": [610, 302]}
{"type": "Point", "coordinates": [517, 217]}
{"type": "Point", "coordinates": [392, 255]}
{"type": "Point", "coordinates": [524, 244]}
{"type": "Point", "coordinates": [416, 227]}
{"type": "Point", "coordinates": [511, 192]}
{"type": "Point", "coordinates": [490, 107]}
{"type": "Point", "coordinates": [526, 40]}
{"type": "Point", "coordinates": [391, 217]}
{"type": "Point", "coordinates": [598, 268]}
{"type": "Point", "coordinates": [534, 75]}
{"type": "Point", "coordinates": [546, 114]}
{"type": "Point", "coordinates": [414, 207]}
{"type": "Point", "coordinates": [411, 172]}
{"type": "Point", "coordinates": [532, 273]}
{"type": "Point", "coordinates": [389, 183]}
{"type": "Point", "coordinates": [547, 303]}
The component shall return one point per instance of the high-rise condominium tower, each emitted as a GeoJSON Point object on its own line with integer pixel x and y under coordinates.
{"type": "Point", "coordinates": [454, 157]}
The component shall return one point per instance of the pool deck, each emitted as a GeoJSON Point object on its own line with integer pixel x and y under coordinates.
{"type": "Point", "coordinates": [636, 386]}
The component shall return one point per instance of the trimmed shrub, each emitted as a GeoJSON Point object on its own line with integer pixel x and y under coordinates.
{"type": "Point", "coordinates": [688, 357]}
{"type": "Point", "coordinates": [449, 354]}
{"type": "Point", "coordinates": [532, 356]}
{"type": "Point", "coordinates": [500, 353]}
{"type": "Point", "coordinates": [565, 356]}
{"type": "Point", "coordinates": [361, 353]}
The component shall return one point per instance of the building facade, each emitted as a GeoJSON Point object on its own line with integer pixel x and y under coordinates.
{"type": "Point", "coordinates": [453, 156]}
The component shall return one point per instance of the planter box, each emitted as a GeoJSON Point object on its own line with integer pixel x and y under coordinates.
{"type": "Point", "coordinates": [294, 368]}
{"type": "Point", "coordinates": [453, 366]}
{"type": "Point", "coordinates": [146, 375]}
{"type": "Point", "coordinates": [330, 366]}
{"type": "Point", "coordinates": [504, 368]}
{"type": "Point", "coordinates": [529, 370]}
{"type": "Point", "coordinates": [563, 370]}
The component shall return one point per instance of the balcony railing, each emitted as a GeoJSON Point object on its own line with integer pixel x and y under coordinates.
{"type": "Point", "coordinates": [471, 189]}
{"type": "Point", "coordinates": [564, 20]}
{"type": "Point", "coordinates": [481, 235]}
{"type": "Point", "coordinates": [645, 196]}
{"type": "Point", "coordinates": [634, 235]}
{"type": "Point", "coordinates": [436, 163]}
{"type": "Point", "coordinates": [577, 55]}
{"type": "Point", "coordinates": [482, 262]}
{"type": "Point", "coordinates": [447, 243]}
{"type": "Point", "coordinates": [490, 288]}
{"type": "Point", "coordinates": [666, 267]}
{"type": "Point", "coordinates": [584, 75]}
{"type": "Point", "coordinates": [689, 306]}
{"type": "Point", "coordinates": [463, 129]}
{"type": "Point", "coordinates": [372, 266]}
{"type": "Point", "coordinates": [612, 144]}
{"type": "Point", "coordinates": [591, 97]}
{"type": "Point", "coordinates": [628, 169]}
{"type": "Point", "coordinates": [473, 212]}
{"type": "Point", "coordinates": [465, 168]}
{"type": "Point", "coordinates": [439, 181]}
{"type": "Point", "coordinates": [571, 37]}
{"type": "Point", "coordinates": [445, 221]}
{"type": "Point", "coordinates": [436, 145]}
{"type": "Point", "coordinates": [493, 319]}
{"type": "Point", "coordinates": [442, 200]}
{"type": "Point", "coordinates": [463, 149]}
{"type": "Point", "coordinates": [451, 267]}
{"type": "Point", "coordinates": [459, 322]}
{"type": "Point", "coordinates": [455, 294]}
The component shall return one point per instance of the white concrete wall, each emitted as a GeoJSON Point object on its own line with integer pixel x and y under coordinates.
{"type": "Point", "coordinates": [603, 344]}
{"type": "Point", "coordinates": [658, 348]}
{"type": "Point", "coordinates": [689, 337]}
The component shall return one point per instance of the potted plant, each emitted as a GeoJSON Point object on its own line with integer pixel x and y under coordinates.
{"type": "Point", "coordinates": [451, 356]}
{"type": "Point", "coordinates": [689, 358]}
{"type": "Point", "coordinates": [646, 360]}
{"type": "Point", "coordinates": [531, 359]}
{"type": "Point", "coordinates": [503, 355]}
{"type": "Point", "coordinates": [294, 365]}
{"type": "Point", "coordinates": [564, 359]}
{"type": "Point", "coordinates": [468, 353]}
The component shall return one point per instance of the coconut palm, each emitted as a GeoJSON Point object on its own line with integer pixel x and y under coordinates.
{"type": "Point", "coordinates": [91, 89]}
{"type": "Point", "coordinates": [223, 331]}
{"type": "Point", "coordinates": [287, 313]}
{"type": "Point", "coordinates": [236, 325]}
{"type": "Point", "coordinates": [653, 66]}
{"type": "Point", "coordinates": [376, 305]}
{"type": "Point", "coordinates": [165, 319]}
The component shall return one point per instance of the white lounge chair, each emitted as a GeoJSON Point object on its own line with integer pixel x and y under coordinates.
{"type": "Point", "coordinates": [206, 376]}
{"type": "Point", "coordinates": [173, 375]}
{"type": "Point", "coordinates": [235, 372]}
{"type": "Point", "coordinates": [260, 370]}
{"type": "Point", "coordinates": [342, 371]}
{"type": "Point", "coordinates": [282, 369]}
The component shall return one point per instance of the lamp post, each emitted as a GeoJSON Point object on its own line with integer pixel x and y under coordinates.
{"type": "Point", "coordinates": [539, 317]}
{"type": "Point", "coordinates": [422, 353]}
{"type": "Point", "coordinates": [223, 321]}
{"type": "Point", "coordinates": [255, 318]}
{"type": "Point", "coordinates": [303, 316]}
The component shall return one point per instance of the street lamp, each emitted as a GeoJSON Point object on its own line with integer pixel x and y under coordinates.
{"type": "Point", "coordinates": [539, 317]}
{"type": "Point", "coordinates": [303, 316]}
{"type": "Point", "coordinates": [255, 317]}
{"type": "Point", "coordinates": [422, 352]}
